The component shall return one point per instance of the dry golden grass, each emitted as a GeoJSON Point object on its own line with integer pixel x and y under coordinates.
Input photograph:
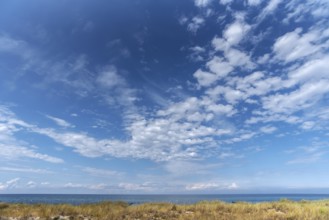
{"type": "Point", "coordinates": [283, 209]}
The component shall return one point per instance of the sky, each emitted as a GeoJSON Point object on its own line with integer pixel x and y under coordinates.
{"type": "Point", "coordinates": [167, 96]}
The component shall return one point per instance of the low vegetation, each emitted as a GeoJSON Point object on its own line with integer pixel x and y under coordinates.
{"type": "Point", "coordinates": [283, 209]}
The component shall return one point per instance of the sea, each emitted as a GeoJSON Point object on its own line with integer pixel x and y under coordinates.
{"type": "Point", "coordinates": [77, 199]}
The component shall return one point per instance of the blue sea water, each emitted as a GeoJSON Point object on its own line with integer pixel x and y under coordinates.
{"type": "Point", "coordinates": [138, 199]}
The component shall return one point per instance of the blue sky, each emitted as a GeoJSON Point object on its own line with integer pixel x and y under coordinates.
{"type": "Point", "coordinates": [143, 96]}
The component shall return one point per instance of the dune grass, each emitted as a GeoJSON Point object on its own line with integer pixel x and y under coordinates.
{"type": "Point", "coordinates": [283, 209]}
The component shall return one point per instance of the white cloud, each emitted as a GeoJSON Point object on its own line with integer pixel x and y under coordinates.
{"type": "Point", "coordinates": [109, 78]}
{"type": "Point", "coordinates": [205, 78]}
{"type": "Point", "coordinates": [239, 58]}
{"type": "Point", "coordinates": [8, 44]}
{"type": "Point", "coordinates": [166, 139]}
{"type": "Point", "coordinates": [180, 109]}
{"type": "Point", "coordinates": [254, 2]}
{"type": "Point", "coordinates": [232, 36]}
{"type": "Point", "coordinates": [225, 155]}
{"type": "Point", "coordinates": [195, 24]}
{"type": "Point", "coordinates": [9, 123]}
{"type": "Point", "coordinates": [202, 186]}
{"type": "Point", "coordinates": [197, 53]}
{"type": "Point", "coordinates": [304, 88]}
{"type": "Point", "coordinates": [308, 159]}
{"type": "Point", "coordinates": [233, 186]}
{"type": "Point", "coordinates": [15, 46]}
{"type": "Point", "coordinates": [98, 186]}
{"type": "Point", "coordinates": [222, 109]}
{"type": "Point", "coordinates": [183, 20]}
{"type": "Point", "coordinates": [23, 170]}
{"type": "Point", "coordinates": [211, 186]}
{"type": "Point", "coordinates": [231, 95]}
{"type": "Point", "coordinates": [12, 148]}
{"type": "Point", "coordinates": [74, 185]}
{"type": "Point", "coordinates": [115, 91]}
{"type": "Point", "coordinates": [295, 45]}
{"type": "Point", "coordinates": [9, 184]}
{"type": "Point", "coordinates": [82, 143]}
{"type": "Point", "coordinates": [13, 152]}
{"type": "Point", "coordinates": [268, 129]}
{"type": "Point", "coordinates": [101, 172]}
{"type": "Point", "coordinates": [198, 49]}
{"type": "Point", "coordinates": [202, 3]}
{"type": "Point", "coordinates": [180, 168]}
{"type": "Point", "coordinates": [322, 113]}
{"type": "Point", "coordinates": [136, 187]}
{"type": "Point", "coordinates": [60, 122]}
{"type": "Point", "coordinates": [225, 2]}
{"type": "Point", "coordinates": [235, 32]}
{"type": "Point", "coordinates": [31, 184]}
{"type": "Point", "coordinates": [313, 70]}
{"type": "Point", "coordinates": [263, 59]}
{"type": "Point", "coordinates": [176, 132]}
{"type": "Point", "coordinates": [308, 154]}
{"type": "Point", "coordinates": [199, 117]}
{"type": "Point", "coordinates": [270, 117]}
{"type": "Point", "coordinates": [220, 44]}
{"type": "Point", "coordinates": [321, 11]}
{"type": "Point", "coordinates": [72, 72]}
{"type": "Point", "coordinates": [300, 11]}
{"type": "Point", "coordinates": [220, 67]}
{"type": "Point", "coordinates": [307, 125]}
{"type": "Point", "coordinates": [242, 88]}
{"type": "Point", "coordinates": [242, 136]}
{"type": "Point", "coordinates": [304, 97]}
{"type": "Point", "coordinates": [270, 8]}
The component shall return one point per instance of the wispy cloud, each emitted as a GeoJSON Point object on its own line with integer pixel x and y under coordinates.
{"type": "Point", "coordinates": [15, 152]}
{"type": "Point", "coordinates": [60, 122]}
{"type": "Point", "coordinates": [211, 186]}
{"type": "Point", "coordinates": [308, 154]}
{"type": "Point", "coordinates": [24, 170]}
{"type": "Point", "coordinates": [15, 46]}
{"type": "Point", "coordinates": [116, 92]}
{"type": "Point", "coordinates": [202, 186]}
{"type": "Point", "coordinates": [9, 184]}
{"type": "Point", "coordinates": [101, 172]}
{"type": "Point", "coordinates": [270, 8]}
{"type": "Point", "coordinates": [31, 184]}
{"type": "Point", "coordinates": [307, 159]}
{"type": "Point", "coordinates": [147, 186]}
{"type": "Point", "coordinates": [13, 148]}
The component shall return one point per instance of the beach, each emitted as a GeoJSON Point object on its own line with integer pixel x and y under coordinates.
{"type": "Point", "coordinates": [283, 209]}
